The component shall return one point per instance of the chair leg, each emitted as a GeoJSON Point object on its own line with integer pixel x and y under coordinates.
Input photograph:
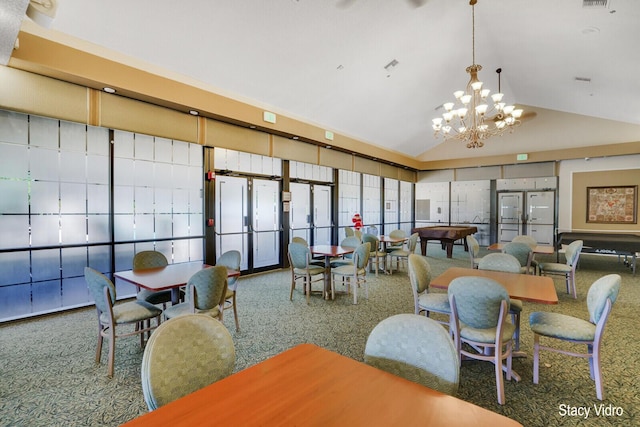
{"type": "Point", "coordinates": [596, 372]}
{"type": "Point", "coordinates": [112, 350]}
{"type": "Point", "coordinates": [99, 345]}
{"type": "Point", "coordinates": [573, 284]}
{"type": "Point", "coordinates": [235, 312]}
{"type": "Point", "coordinates": [499, 379]}
{"type": "Point", "coordinates": [536, 357]}
{"type": "Point", "coordinates": [307, 287]}
{"type": "Point", "coordinates": [515, 318]}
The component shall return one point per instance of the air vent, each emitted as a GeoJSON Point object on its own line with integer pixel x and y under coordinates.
{"type": "Point", "coordinates": [595, 4]}
{"type": "Point", "coordinates": [583, 79]}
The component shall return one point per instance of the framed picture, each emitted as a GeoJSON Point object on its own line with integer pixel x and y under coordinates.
{"type": "Point", "coordinates": [612, 205]}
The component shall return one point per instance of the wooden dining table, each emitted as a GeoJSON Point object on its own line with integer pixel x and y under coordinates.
{"type": "Point", "coordinates": [539, 249]}
{"type": "Point", "coordinates": [386, 240]}
{"type": "Point", "coordinates": [328, 252]}
{"type": "Point", "coordinates": [172, 276]}
{"type": "Point", "coordinates": [311, 386]}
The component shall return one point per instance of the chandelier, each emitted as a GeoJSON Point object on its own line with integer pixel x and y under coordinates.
{"type": "Point", "coordinates": [470, 118]}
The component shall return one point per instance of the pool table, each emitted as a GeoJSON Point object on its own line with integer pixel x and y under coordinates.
{"type": "Point", "coordinates": [446, 234]}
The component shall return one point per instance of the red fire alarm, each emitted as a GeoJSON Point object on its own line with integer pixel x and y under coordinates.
{"type": "Point", "coordinates": [211, 175]}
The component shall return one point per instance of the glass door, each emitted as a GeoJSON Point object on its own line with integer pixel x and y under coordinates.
{"type": "Point", "coordinates": [300, 214]}
{"type": "Point", "coordinates": [322, 215]}
{"type": "Point", "coordinates": [266, 223]}
{"type": "Point", "coordinates": [232, 216]}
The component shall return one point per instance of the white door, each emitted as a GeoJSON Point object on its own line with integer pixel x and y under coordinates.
{"type": "Point", "coordinates": [266, 223]}
{"type": "Point", "coordinates": [231, 225]}
{"type": "Point", "coordinates": [541, 216]}
{"type": "Point", "coordinates": [300, 213]}
{"type": "Point", "coordinates": [322, 215]}
{"type": "Point", "coordinates": [509, 216]}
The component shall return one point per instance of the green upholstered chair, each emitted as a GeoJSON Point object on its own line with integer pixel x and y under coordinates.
{"type": "Point", "coordinates": [510, 264]}
{"type": "Point", "coordinates": [302, 269]}
{"type": "Point", "coordinates": [231, 260]}
{"type": "Point", "coordinates": [479, 308]}
{"type": "Point", "coordinates": [474, 250]}
{"type": "Point", "coordinates": [349, 232]}
{"type": "Point", "coordinates": [523, 253]}
{"type": "Point", "coordinates": [112, 317]}
{"type": "Point", "coordinates": [376, 254]}
{"type": "Point", "coordinates": [353, 275]}
{"type": "Point", "coordinates": [396, 234]}
{"type": "Point", "coordinates": [206, 292]}
{"type": "Point", "coordinates": [425, 301]}
{"type": "Point", "coordinates": [416, 348]}
{"type": "Point", "coordinates": [523, 238]}
{"type": "Point", "coordinates": [183, 355]}
{"type": "Point", "coordinates": [566, 270]}
{"type": "Point", "coordinates": [151, 259]}
{"type": "Point", "coordinates": [304, 242]}
{"type": "Point", "coordinates": [346, 259]}
{"type": "Point", "coordinates": [600, 298]}
{"type": "Point", "coordinates": [403, 254]}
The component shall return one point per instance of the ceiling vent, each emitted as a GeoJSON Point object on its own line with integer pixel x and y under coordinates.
{"type": "Point", "coordinates": [595, 4]}
{"type": "Point", "coordinates": [583, 79]}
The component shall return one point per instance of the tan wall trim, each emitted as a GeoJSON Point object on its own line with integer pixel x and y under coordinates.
{"type": "Point", "coordinates": [237, 138]}
{"type": "Point", "coordinates": [335, 159]}
{"type": "Point", "coordinates": [289, 149]}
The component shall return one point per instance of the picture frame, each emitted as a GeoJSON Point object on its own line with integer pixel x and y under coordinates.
{"type": "Point", "coordinates": [612, 204]}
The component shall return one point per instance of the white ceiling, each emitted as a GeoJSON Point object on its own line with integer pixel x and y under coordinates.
{"type": "Point", "coordinates": [323, 61]}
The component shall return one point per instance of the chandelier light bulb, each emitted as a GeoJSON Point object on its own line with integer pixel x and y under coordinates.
{"type": "Point", "coordinates": [476, 86]}
{"type": "Point", "coordinates": [458, 94]}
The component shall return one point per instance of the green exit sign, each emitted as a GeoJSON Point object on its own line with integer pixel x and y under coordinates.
{"type": "Point", "coordinates": [521, 157]}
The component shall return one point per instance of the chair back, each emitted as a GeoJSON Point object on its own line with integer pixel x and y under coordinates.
{"type": "Point", "coordinates": [398, 234]}
{"type": "Point", "coordinates": [97, 282]}
{"type": "Point", "coordinates": [499, 262]}
{"type": "Point", "coordinates": [299, 240]}
{"type": "Point", "coordinates": [372, 229]}
{"type": "Point", "coordinates": [350, 242]}
{"type": "Point", "coordinates": [521, 251]}
{"type": "Point", "coordinates": [477, 301]}
{"type": "Point", "coordinates": [209, 287]}
{"type": "Point", "coordinates": [603, 289]}
{"type": "Point", "coordinates": [231, 259]}
{"type": "Point", "coordinates": [358, 234]}
{"type": "Point", "coordinates": [572, 253]}
{"type": "Point", "coordinates": [473, 245]}
{"type": "Point", "coordinates": [419, 274]}
{"type": "Point", "coordinates": [348, 232]}
{"type": "Point", "coordinates": [416, 348]}
{"type": "Point", "coordinates": [361, 255]}
{"type": "Point", "coordinates": [373, 241]}
{"type": "Point", "coordinates": [185, 354]}
{"type": "Point", "coordinates": [299, 255]}
{"type": "Point", "coordinates": [149, 259]}
{"type": "Point", "coordinates": [413, 242]}
{"type": "Point", "coordinates": [523, 238]}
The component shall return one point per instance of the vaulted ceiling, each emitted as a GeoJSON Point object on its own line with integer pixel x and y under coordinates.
{"type": "Point", "coordinates": [574, 63]}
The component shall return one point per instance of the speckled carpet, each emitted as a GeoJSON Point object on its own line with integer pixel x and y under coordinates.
{"type": "Point", "coordinates": [48, 376]}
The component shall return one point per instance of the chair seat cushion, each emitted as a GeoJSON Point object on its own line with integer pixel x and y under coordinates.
{"type": "Point", "coordinates": [132, 311]}
{"type": "Point", "coordinates": [313, 270]}
{"type": "Point", "coordinates": [554, 267]}
{"type": "Point", "coordinates": [347, 270]}
{"type": "Point", "coordinates": [486, 336]}
{"type": "Point", "coordinates": [340, 263]}
{"type": "Point", "coordinates": [434, 302]}
{"type": "Point", "coordinates": [561, 326]}
{"type": "Point", "coordinates": [154, 297]}
{"type": "Point", "coordinates": [400, 253]}
{"type": "Point", "coordinates": [183, 308]}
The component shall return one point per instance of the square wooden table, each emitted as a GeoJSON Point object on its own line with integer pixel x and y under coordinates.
{"type": "Point", "coordinates": [329, 251]}
{"type": "Point", "coordinates": [172, 277]}
{"type": "Point", "coordinates": [311, 386]}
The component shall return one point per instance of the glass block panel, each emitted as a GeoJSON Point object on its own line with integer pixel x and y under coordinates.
{"type": "Point", "coordinates": [75, 292]}
{"type": "Point", "coordinates": [181, 152]}
{"type": "Point", "coordinates": [45, 197]}
{"type": "Point", "coordinates": [43, 164]}
{"type": "Point", "coordinates": [98, 140]}
{"type": "Point", "coordinates": [144, 227]}
{"type": "Point", "coordinates": [46, 296]}
{"type": "Point", "coordinates": [181, 251]}
{"type": "Point", "coordinates": [163, 175]}
{"type": "Point", "coordinates": [100, 258]}
{"type": "Point", "coordinates": [164, 226]}
{"type": "Point", "coordinates": [124, 256]}
{"type": "Point", "coordinates": [97, 198]}
{"type": "Point", "coordinates": [14, 127]}
{"type": "Point", "coordinates": [244, 162]}
{"type": "Point", "coordinates": [43, 132]}
{"type": "Point", "coordinates": [163, 200]}
{"type": "Point", "coordinates": [73, 261]}
{"type": "Point", "coordinates": [97, 169]}
{"type": "Point", "coordinates": [166, 248]}
{"type": "Point", "coordinates": [123, 227]}
{"type": "Point", "coordinates": [14, 268]}
{"type": "Point", "coordinates": [180, 225]}
{"type": "Point", "coordinates": [195, 177]}
{"type": "Point", "coordinates": [45, 265]}
{"type": "Point", "coordinates": [73, 198]}
{"type": "Point", "coordinates": [123, 144]}
{"type": "Point", "coordinates": [180, 176]}
{"type": "Point", "coordinates": [15, 301]}
{"type": "Point", "coordinates": [15, 231]}
{"type": "Point", "coordinates": [45, 230]}
{"type": "Point", "coordinates": [14, 161]}
{"type": "Point", "coordinates": [180, 201]}
{"type": "Point", "coordinates": [164, 150]}
{"type": "Point", "coordinates": [196, 225]}
{"type": "Point", "coordinates": [219, 158]}
{"type": "Point", "coordinates": [15, 196]}
{"type": "Point", "coordinates": [143, 147]}
{"type": "Point", "coordinates": [143, 174]}
{"type": "Point", "coordinates": [123, 171]}
{"type": "Point", "coordinates": [195, 155]}
{"type": "Point", "coordinates": [73, 136]}
{"type": "Point", "coordinates": [123, 199]}
{"type": "Point", "coordinates": [196, 250]}
{"type": "Point", "coordinates": [143, 200]}
{"type": "Point", "coordinates": [125, 290]}
{"type": "Point", "coordinates": [98, 229]}
{"type": "Point", "coordinates": [195, 201]}
{"type": "Point", "coordinates": [233, 160]}
{"type": "Point", "coordinates": [73, 166]}
{"type": "Point", "coordinates": [73, 229]}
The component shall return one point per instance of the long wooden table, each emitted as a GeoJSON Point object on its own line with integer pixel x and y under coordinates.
{"type": "Point", "coordinates": [446, 234]}
{"type": "Point", "coordinates": [311, 386]}
{"type": "Point", "coordinates": [525, 287]}
{"type": "Point", "coordinates": [172, 277]}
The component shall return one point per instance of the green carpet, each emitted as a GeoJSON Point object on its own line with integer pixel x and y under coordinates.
{"type": "Point", "coordinates": [48, 376]}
